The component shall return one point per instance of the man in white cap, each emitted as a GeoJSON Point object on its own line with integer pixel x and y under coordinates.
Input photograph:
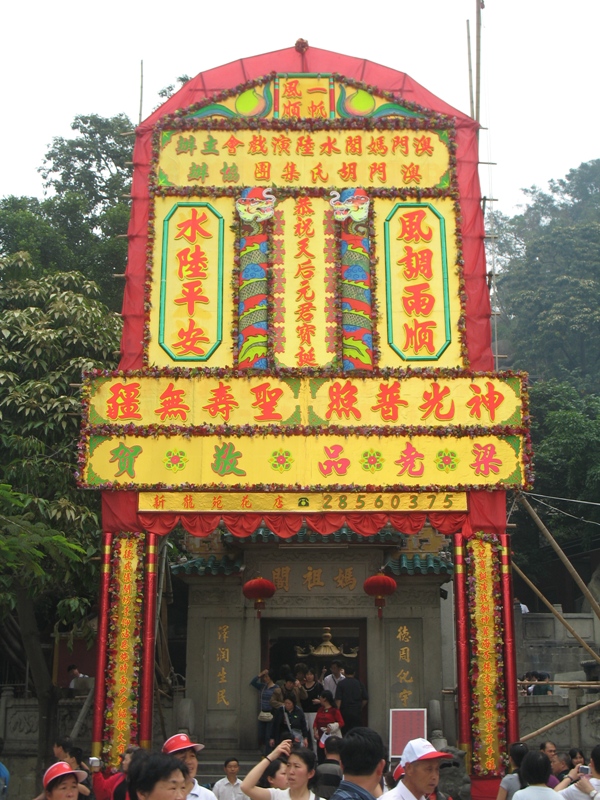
{"type": "Point", "coordinates": [182, 747]}
{"type": "Point", "coordinates": [421, 763]}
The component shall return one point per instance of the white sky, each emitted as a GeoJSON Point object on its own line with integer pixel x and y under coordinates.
{"type": "Point", "coordinates": [539, 65]}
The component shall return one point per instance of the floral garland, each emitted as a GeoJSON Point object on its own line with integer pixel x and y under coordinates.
{"type": "Point", "coordinates": [113, 698]}
{"type": "Point", "coordinates": [488, 746]}
{"type": "Point", "coordinates": [385, 373]}
{"type": "Point", "coordinates": [241, 431]}
{"type": "Point", "coordinates": [282, 487]}
{"type": "Point", "coordinates": [338, 354]}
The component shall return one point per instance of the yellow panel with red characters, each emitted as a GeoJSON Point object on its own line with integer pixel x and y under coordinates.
{"type": "Point", "coordinates": [354, 462]}
{"type": "Point", "coordinates": [395, 402]}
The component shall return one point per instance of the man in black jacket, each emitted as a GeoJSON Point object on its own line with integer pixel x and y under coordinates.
{"type": "Point", "coordinates": [351, 698]}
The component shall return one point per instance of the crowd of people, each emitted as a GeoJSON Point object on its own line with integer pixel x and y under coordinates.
{"type": "Point", "coordinates": [535, 683]}
{"type": "Point", "coordinates": [538, 774]}
{"type": "Point", "coordinates": [307, 709]}
{"type": "Point", "coordinates": [353, 769]}
{"type": "Point", "coordinates": [313, 747]}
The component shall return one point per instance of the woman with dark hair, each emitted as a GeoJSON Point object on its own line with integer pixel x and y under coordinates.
{"type": "Point", "coordinates": [113, 787]}
{"type": "Point", "coordinates": [311, 704]}
{"type": "Point", "coordinates": [328, 722]}
{"type": "Point", "coordinates": [300, 773]}
{"type": "Point", "coordinates": [576, 785]}
{"type": "Point", "coordinates": [289, 722]}
{"type": "Point", "coordinates": [512, 783]}
{"type": "Point", "coordinates": [274, 775]}
{"type": "Point", "coordinates": [576, 756]}
{"type": "Point", "coordinates": [534, 771]}
{"type": "Point", "coordinates": [157, 776]}
{"type": "Point", "coordinates": [61, 782]}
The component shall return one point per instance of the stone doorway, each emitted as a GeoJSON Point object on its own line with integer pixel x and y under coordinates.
{"type": "Point", "coordinates": [280, 639]}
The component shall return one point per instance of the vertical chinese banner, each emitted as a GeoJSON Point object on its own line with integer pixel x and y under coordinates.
{"type": "Point", "coordinates": [123, 645]}
{"type": "Point", "coordinates": [422, 319]}
{"type": "Point", "coordinates": [187, 318]}
{"type": "Point", "coordinates": [304, 339]}
{"type": "Point", "coordinates": [223, 658]}
{"type": "Point", "coordinates": [404, 658]}
{"type": "Point", "coordinates": [484, 599]}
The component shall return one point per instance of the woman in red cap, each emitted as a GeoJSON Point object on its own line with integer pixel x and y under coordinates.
{"type": "Point", "coordinates": [61, 782]}
{"type": "Point", "coordinates": [182, 747]}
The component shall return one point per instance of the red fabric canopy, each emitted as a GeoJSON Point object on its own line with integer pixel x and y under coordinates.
{"type": "Point", "coordinates": [487, 512]}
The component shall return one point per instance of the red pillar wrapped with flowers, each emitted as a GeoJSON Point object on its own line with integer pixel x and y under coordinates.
{"type": "Point", "coordinates": [487, 653]}
{"type": "Point", "coordinates": [119, 646]}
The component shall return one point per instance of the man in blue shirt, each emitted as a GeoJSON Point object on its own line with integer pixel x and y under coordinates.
{"type": "Point", "coordinates": [363, 757]}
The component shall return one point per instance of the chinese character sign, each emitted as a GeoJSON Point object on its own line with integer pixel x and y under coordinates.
{"type": "Point", "coordinates": [188, 313]}
{"type": "Point", "coordinates": [295, 462]}
{"type": "Point", "coordinates": [305, 308]}
{"type": "Point", "coordinates": [483, 401]}
{"type": "Point", "coordinates": [421, 282]}
{"type": "Point", "coordinates": [481, 444]}
{"type": "Point", "coordinates": [298, 159]}
{"type": "Point", "coordinates": [301, 199]}
{"type": "Point", "coordinates": [124, 641]}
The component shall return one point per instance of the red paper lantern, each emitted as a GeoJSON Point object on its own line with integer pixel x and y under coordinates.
{"type": "Point", "coordinates": [259, 590]}
{"type": "Point", "coordinates": [379, 586]}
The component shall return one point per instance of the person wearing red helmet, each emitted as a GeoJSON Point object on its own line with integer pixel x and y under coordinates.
{"type": "Point", "coordinates": [182, 747]}
{"type": "Point", "coordinates": [61, 782]}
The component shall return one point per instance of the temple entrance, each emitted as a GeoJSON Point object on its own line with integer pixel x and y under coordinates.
{"type": "Point", "coordinates": [314, 642]}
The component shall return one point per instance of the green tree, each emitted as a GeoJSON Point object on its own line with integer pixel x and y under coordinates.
{"type": "Point", "coordinates": [82, 224]}
{"type": "Point", "coordinates": [51, 328]}
{"type": "Point", "coordinates": [548, 288]}
{"type": "Point", "coordinates": [566, 443]}
{"type": "Point", "coordinates": [92, 164]}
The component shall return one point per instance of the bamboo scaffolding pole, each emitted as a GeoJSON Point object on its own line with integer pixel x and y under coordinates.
{"type": "Point", "coordinates": [559, 721]}
{"type": "Point", "coordinates": [471, 99]}
{"type": "Point", "coordinates": [557, 549]}
{"type": "Point", "coordinates": [478, 6]}
{"type": "Point", "coordinates": [556, 613]}
{"type": "Point", "coordinates": [571, 684]}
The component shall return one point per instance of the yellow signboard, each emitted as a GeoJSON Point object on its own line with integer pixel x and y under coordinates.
{"type": "Point", "coordinates": [394, 402]}
{"type": "Point", "coordinates": [305, 308]}
{"type": "Point", "coordinates": [303, 502]}
{"type": "Point", "coordinates": [300, 158]}
{"type": "Point", "coordinates": [352, 462]}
